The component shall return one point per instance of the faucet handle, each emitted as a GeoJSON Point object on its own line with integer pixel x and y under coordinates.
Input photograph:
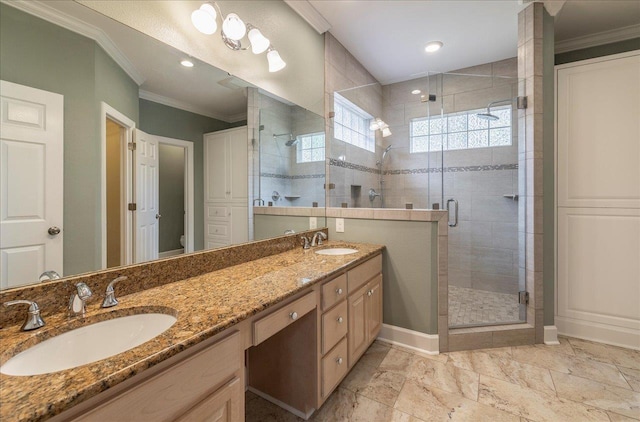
{"type": "Point", "coordinates": [34, 320]}
{"type": "Point", "coordinates": [305, 242]}
{"type": "Point", "coordinates": [110, 297]}
{"type": "Point", "coordinates": [84, 292]}
{"type": "Point", "coordinates": [77, 301]}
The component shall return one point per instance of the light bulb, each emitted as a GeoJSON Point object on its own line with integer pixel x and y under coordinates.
{"type": "Point", "coordinates": [204, 19]}
{"type": "Point", "coordinates": [259, 43]}
{"type": "Point", "coordinates": [386, 132]}
{"type": "Point", "coordinates": [187, 63]}
{"type": "Point", "coordinates": [433, 46]}
{"type": "Point", "coordinates": [275, 61]}
{"type": "Point", "coordinates": [233, 27]}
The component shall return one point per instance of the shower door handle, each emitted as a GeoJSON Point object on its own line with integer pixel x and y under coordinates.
{"type": "Point", "coordinates": [455, 214]}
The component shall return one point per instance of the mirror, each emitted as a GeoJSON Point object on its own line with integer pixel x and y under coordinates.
{"type": "Point", "coordinates": [120, 87]}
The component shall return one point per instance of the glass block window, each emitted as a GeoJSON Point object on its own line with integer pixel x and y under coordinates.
{"type": "Point", "coordinates": [463, 130]}
{"type": "Point", "coordinates": [351, 124]}
{"type": "Point", "coordinates": [310, 147]}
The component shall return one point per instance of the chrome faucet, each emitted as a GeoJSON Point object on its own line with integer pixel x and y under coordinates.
{"type": "Point", "coordinates": [49, 275]}
{"type": "Point", "coordinates": [306, 244]}
{"type": "Point", "coordinates": [77, 303]}
{"type": "Point", "coordinates": [318, 238]}
{"type": "Point", "coordinates": [110, 297]}
{"type": "Point", "coordinates": [34, 320]}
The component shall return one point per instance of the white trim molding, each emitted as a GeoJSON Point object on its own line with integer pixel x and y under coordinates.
{"type": "Point", "coordinates": [601, 333]}
{"type": "Point", "coordinates": [310, 15]}
{"type": "Point", "coordinates": [551, 335]}
{"type": "Point", "coordinates": [600, 38]}
{"type": "Point", "coordinates": [414, 340]}
{"type": "Point", "coordinates": [41, 10]}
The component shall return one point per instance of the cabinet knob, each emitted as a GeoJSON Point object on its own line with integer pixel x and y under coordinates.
{"type": "Point", "coordinates": [339, 361]}
{"type": "Point", "coordinates": [370, 292]}
{"type": "Point", "coordinates": [340, 319]}
{"type": "Point", "coordinates": [338, 291]}
{"type": "Point", "coordinates": [293, 315]}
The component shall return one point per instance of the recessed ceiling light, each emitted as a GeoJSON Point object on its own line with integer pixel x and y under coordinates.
{"type": "Point", "coordinates": [187, 63]}
{"type": "Point", "coordinates": [416, 92]}
{"type": "Point", "coordinates": [433, 46]}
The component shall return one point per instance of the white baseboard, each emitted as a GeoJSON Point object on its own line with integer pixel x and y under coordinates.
{"type": "Point", "coordinates": [602, 333]}
{"type": "Point", "coordinates": [174, 252]}
{"type": "Point", "coordinates": [551, 335]}
{"type": "Point", "coordinates": [281, 404]}
{"type": "Point", "coordinates": [414, 340]}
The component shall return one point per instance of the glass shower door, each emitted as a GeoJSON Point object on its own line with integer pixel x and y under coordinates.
{"type": "Point", "coordinates": [477, 126]}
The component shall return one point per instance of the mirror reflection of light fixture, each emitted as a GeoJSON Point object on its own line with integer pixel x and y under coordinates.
{"type": "Point", "coordinates": [233, 30]}
{"type": "Point", "coordinates": [275, 61]}
{"type": "Point", "coordinates": [379, 124]}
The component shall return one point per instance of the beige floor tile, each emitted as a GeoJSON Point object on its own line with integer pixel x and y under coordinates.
{"type": "Point", "coordinates": [563, 347]}
{"type": "Point", "coordinates": [602, 396]}
{"type": "Point", "coordinates": [397, 361]}
{"type": "Point", "coordinates": [615, 417]}
{"type": "Point", "coordinates": [503, 367]}
{"type": "Point", "coordinates": [606, 353]}
{"type": "Point", "coordinates": [442, 357]}
{"type": "Point", "coordinates": [258, 409]}
{"type": "Point", "coordinates": [582, 367]}
{"type": "Point", "coordinates": [446, 377]}
{"type": "Point", "coordinates": [532, 404]}
{"type": "Point", "coordinates": [375, 353]}
{"type": "Point", "coordinates": [632, 376]}
{"type": "Point", "coordinates": [344, 405]}
{"type": "Point", "coordinates": [433, 404]}
{"type": "Point", "coordinates": [375, 384]}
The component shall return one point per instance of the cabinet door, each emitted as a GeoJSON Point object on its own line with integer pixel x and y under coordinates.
{"type": "Point", "coordinates": [238, 157]}
{"type": "Point", "coordinates": [374, 308]}
{"type": "Point", "coordinates": [357, 325]}
{"type": "Point", "coordinates": [216, 174]}
{"type": "Point", "coordinates": [239, 224]}
{"type": "Point", "coordinates": [225, 405]}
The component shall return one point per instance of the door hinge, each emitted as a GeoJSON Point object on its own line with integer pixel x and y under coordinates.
{"type": "Point", "coordinates": [132, 206]}
{"type": "Point", "coordinates": [523, 298]}
{"type": "Point", "coordinates": [329, 186]}
{"type": "Point", "coordinates": [131, 146]}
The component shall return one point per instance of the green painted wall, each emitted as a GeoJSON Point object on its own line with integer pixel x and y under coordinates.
{"type": "Point", "coordinates": [410, 298]}
{"type": "Point", "coordinates": [598, 51]}
{"type": "Point", "coordinates": [162, 120]}
{"type": "Point", "coordinates": [36, 53]}
{"type": "Point", "coordinates": [171, 196]}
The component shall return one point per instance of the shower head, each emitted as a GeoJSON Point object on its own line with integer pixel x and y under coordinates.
{"type": "Point", "coordinates": [487, 116]}
{"type": "Point", "coordinates": [386, 151]}
{"type": "Point", "coordinates": [292, 142]}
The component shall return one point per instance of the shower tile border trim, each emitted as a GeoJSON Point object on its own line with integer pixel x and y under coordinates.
{"type": "Point", "coordinates": [423, 170]}
{"type": "Point", "coordinates": [293, 177]}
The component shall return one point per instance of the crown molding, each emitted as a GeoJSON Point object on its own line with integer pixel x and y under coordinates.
{"type": "Point", "coordinates": [161, 99]}
{"type": "Point", "coordinates": [600, 38]}
{"type": "Point", "coordinates": [310, 15]}
{"type": "Point", "coordinates": [43, 11]}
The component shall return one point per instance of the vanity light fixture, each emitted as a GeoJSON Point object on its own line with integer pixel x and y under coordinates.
{"type": "Point", "coordinates": [186, 63]}
{"type": "Point", "coordinates": [433, 46]}
{"type": "Point", "coordinates": [233, 31]}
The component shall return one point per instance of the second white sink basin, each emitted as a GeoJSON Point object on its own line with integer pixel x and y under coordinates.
{"type": "Point", "coordinates": [336, 251]}
{"type": "Point", "coordinates": [88, 344]}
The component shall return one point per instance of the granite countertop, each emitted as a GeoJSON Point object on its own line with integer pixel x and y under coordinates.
{"type": "Point", "coordinates": [204, 306]}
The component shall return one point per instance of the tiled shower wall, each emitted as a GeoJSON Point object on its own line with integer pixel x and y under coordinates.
{"type": "Point", "coordinates": [297, 184]}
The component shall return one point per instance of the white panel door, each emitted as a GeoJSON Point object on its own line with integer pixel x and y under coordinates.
{"type": "Point", "coordinates": [598, 199]}
{"type": "Point", "coordinates": [238, 156]}
{"type": "Point", "coordinates": [31, 183]}
{"type": "Point", "coordinates": [146, 197]}
{"type": "Point", "coordinates": [216, 164]}
{"type": "Point", "coordinates": [599, 133]}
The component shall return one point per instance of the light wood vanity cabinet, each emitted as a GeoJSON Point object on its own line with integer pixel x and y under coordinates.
{"type": "Point", "coordinates": [296, 354]}
{"type": "Point", "coordinates": [205, 386]}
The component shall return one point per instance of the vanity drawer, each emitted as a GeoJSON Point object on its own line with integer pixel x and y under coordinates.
{"type": "Point", "coordinates": [218, 213]}
{"type": "Point", "coordinates": [334, 367]}
{"type": "Point", "coordinates": [276, 321]}
{"type": "Point", "coordinates": [363, 273]}
{"type": "Point", "coordinates": [334, 291]}
{"type": "Point", "coordinates": [334, 326]}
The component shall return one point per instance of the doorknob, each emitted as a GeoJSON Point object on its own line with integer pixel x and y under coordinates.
{"type": "Point", "coordinates": [158, 216]}
{"type": "Point", "coordinates": [53, 230]}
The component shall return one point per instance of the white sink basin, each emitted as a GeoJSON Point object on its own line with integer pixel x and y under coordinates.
{"type": "Point", "coordinates": [88, 344]}
{"type": "Point", "coordinates": [336, 251]}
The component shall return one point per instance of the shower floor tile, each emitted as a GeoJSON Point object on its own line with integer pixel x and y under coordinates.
{"type": "Point", "coordinates": [469, 307]}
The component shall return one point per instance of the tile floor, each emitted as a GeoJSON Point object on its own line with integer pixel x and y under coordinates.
{"type": "Point", "coordinates": [575, 381]}
{"type": "Point", "coordinates": [470, 307]}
